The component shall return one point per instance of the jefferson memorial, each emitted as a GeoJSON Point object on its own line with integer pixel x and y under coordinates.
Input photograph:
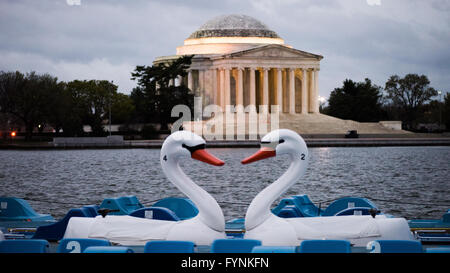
{"type": "Point", "coordinates": [239, 61]}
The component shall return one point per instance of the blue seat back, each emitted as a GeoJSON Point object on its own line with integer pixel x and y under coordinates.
{"type": "Point", "coordinates": [157, 213]}
{"type": "Point", "coordinates": [275, 249]}
{"type": "Point", "coordinates": [92, 210]}
{"type": "Point", "coordinates": [302, 204]}
{"type": "Point", "coordinates": [234, 245]}
{"type": "Point", "coordinates": [182, 207]}
{"type": "Point", "coordinates": [289, 212]}
{"type": "Point", "coordinates": [17, 209]}
{"type": "Point", "coordinates": [78, 245]}
{"type": "Point", "coordinates": [24, 246]}
{"type": "Point", "coordinates": [438, 250]}
{"type": "Point", "coordinates": [289, 201]}
{"type": "Point", "coordinates": [325, 246]}
{"type": "Point", "coordinates": [125, 205]}
{"type": "Point", "coordinates": [306, 206]}
{"type": "Point", "coordinates": [394, 246]}
{"type": "Point", "coordinates": [345, 203]}
{"type": "Point", "coordinates": [55, 231]}
{"type": "Point", "coordinates": [108, 249]}
{"type": "Point", "coordinates": [169, 247]}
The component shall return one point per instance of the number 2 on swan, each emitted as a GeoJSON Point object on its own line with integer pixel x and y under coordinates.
{"type": "Point", "coordinates": [302, 156]}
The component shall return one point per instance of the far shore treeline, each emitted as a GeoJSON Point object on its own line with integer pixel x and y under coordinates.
{"type": "Point", "coordinates": [31, 102]}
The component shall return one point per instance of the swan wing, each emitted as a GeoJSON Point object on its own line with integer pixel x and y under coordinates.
{"type": "Point", "coordinates": [120, 229]}
{"type": "Point", "coordinates": [339, 227]}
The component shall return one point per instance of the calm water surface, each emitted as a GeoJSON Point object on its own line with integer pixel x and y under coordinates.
{"type": "Point", "coordinates": [413, 182]}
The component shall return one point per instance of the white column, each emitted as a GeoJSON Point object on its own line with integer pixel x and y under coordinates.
{"type": "Point", "coordinates": [222, 88]}
{"type": "Point", "coordinates": [316, 91]}
{"type": "Point", "coordinates": [280, 89]}
{"type": "Point", "coordinates": [252, 88]}
{"type": "Point", "coordinates": [311, 93]}
{"type": "Point", "coordinates": [240, 87]}
{"type": "Point", "coordinates": [215, 91]}
{"type": "Point", "coordinates": [227, 86]}
{"type": "Point", "coordinates": [190, 81]}
{"type": "Point", "coordinates": [304, 91]}
{"type": "Point", "coordinates": [291, 91]}
{"type": "Point", "coordinates": [266, 87]}
{"type": "Point", "coordinates": [201, 83]}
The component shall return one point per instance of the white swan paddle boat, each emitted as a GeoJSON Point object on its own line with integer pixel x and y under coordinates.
{"type": "Point", "coordinates": [203, 229]}
{"type": "Point", "coordinates": [262, 224]}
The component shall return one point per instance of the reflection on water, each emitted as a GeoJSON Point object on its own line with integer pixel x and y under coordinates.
{"type": "Point", "coordinates": [404, 181]}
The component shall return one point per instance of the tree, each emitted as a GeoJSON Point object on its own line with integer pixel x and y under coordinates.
{"type": "Point", "coordinates": [64, 112]}
{"type": "Point", "coordinates": [25, 96]}
{"type": "Point", "coordinates": [360, 101]}
{"type": "Point", "coordinates": [122, 108]}
{"type": "Point", "coordinates": [155, 96]}
{"type": "Point", "coordinates": [446, 111]}
{"type": "Point", "coordinates": [409, 94]}
{"type": "Point", "coordinates": [93, 98]}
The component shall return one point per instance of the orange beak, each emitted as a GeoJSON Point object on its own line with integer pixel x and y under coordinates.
{"type": "Point", "coordinates": [263, 153]}
{"type": "Point", "coordinates": [204, 156]}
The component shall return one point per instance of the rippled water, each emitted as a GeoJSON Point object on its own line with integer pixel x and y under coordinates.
{"type": "Point", "coordinates": [404, 181]}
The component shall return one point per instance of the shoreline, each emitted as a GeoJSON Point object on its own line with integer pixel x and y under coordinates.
{"type": "Point", "coordinates": [312, 142]}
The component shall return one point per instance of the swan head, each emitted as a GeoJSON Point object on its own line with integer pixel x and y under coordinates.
{"type": "Point", "coordinates": [184, 144]}
{"type": "Point", "coordinates": [277, 142]}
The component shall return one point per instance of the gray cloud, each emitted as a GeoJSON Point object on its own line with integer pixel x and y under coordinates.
{"type": "Point", "coordinates": [107, 39]}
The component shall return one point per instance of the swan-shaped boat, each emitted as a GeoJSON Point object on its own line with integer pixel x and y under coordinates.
{"type": "Point", "coordinates": [203, 229]}
{"type": "Point", "coordinates": [263, 225]}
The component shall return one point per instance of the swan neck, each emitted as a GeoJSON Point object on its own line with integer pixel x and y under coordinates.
{"type": "Point", "coordinates": [210, 212]}
{"type": "Point", "coordinates": [259, 209]}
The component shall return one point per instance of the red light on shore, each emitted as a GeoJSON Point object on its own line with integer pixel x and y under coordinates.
{"type": "Point", "coordinates": [13, 134]}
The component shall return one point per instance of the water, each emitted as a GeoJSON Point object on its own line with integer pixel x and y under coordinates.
{"type": "Point", "coordinates": [411, 182]}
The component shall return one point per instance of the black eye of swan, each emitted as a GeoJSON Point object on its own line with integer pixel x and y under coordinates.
{"type": "Point", "coordinates": [273, 142]}
{"type": "Point", "coordinates": [194, 148]}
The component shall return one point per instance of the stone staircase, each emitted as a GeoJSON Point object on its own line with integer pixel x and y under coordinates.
{"type": "Point", "coordinates": [323, 124]}
{"type": "Point", "coordinates": [309, 124]}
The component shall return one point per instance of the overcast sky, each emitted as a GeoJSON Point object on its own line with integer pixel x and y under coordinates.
{"type": "Point", "coordinates": [93, 39]}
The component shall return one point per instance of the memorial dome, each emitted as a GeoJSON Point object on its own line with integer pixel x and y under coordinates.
{"type": "Point", "coordinates": [233, 26]}
{"type": "Point", "coordinates": [228, 33]}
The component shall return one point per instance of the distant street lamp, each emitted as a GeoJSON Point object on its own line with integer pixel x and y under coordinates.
{"type": "Point", "coordinates": [322, 101]}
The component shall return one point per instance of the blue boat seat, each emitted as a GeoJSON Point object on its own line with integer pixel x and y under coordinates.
{"type": "Point", "coordinates": [325, 246]}
{"type": "Point", "coordinates": [169, 247]}
{"type": "Point", "coordinates": [158, 213]}
{"type": "Point", "coordinates": [234, 245]}
{"type": "Point", "coordinates": [289, 212]}
{"type": "Point", "coordinates": [55, 231]}
{"type": "Point", "coordinates": [394, 246]}
{"type": "Point", "coordinates": [347, 202]}
{"type": "Point", "coordinates": [304, 207]}
{"type": "Point", "coordinates": [124, 205]}
{"type": "Point", "coordinates": [438, 250]}
{"type": "Point", "coordinates": [182, 207]}
{"type": "Point", "coordinates": [17, 209]}
{"type": "Point", "coordinates": [92, 210]}
{"type": "Point", "coordinates": [275, 249]}
{"type": "Point", "coordinates": [108, 249]}
{"type": "Point", "coordinates": [78, 245]}
{"type": "Point", "coordinates": [24, 246]}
